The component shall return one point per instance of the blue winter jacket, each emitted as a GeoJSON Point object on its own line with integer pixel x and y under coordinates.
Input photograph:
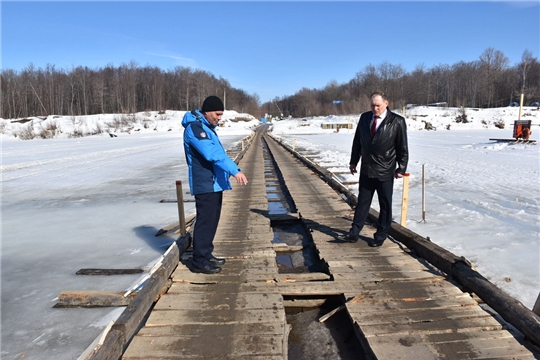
{"type": "Point", "coordinates": [209, 165]}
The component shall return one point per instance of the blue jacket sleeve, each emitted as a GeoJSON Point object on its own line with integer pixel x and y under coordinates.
{"type": "Point", "coordinates": [206, 143]}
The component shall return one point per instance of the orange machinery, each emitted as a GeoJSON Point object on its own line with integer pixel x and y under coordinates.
{"type": "Point", "coordinates": [522, 129]}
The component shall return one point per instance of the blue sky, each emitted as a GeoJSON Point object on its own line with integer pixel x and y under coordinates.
{"type": "Point", "coordinates": [272, 49]}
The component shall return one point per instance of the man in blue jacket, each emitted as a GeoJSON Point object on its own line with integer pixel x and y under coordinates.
{"type": "Point", "coordinates": [209, 172]}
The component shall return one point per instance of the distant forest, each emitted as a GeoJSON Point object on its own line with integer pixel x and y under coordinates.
{"type": "Point", "coordinates": [487, 82]}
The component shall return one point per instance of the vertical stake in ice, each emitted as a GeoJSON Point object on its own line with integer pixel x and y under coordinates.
{"type": "Point", "coordinates": [423, 192]}
{"type": "Point", "coordinates": [405, 200]}
{"type": "Point", "coordinates": [181, 214]}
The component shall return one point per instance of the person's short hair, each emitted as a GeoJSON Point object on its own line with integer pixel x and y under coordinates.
{"type": "Point", "coordinates": [380, 93]}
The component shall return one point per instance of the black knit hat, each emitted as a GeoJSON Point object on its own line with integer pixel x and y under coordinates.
{"type": "Point", "coordinates": [212, 103]}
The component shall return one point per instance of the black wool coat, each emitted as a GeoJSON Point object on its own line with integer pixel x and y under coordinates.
{"type": "Point", "coordinates": [387, 153]}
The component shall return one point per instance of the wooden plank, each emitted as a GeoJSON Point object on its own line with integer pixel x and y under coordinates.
{"type": "Point", "coordinates": [411, 290]}
{"type": "Point", "coordinates": [241, 301]}
{"type": "Point", "coordinates": [387, 276]}
{"type": "Point", "coordinates": [93, 298]}
{"type": "Point", "coordinates": [368, 306]}
{"type": "Point", "coordinates": [172, 346]}
{"type": "Point", "coordinates": [268, 328]}
{"type": "Point", "coordinates": [388, 297]}
{"type": "Point", "coordinates": [195, 278]}
{"type": "Point", "coordinates": [175, 225]}
{"type": "Point", "coordinates": [312, 276]}
{"type": "Point", "coordinates": [411, 316]}
{"type": "Point", "coordinates": [470, 345]}
{"type": "Point", "coordinates": [286, 248]}
{"type": "Point", "coordinates": [248, 264]}
{"type": "Point", "coordinates": [445, 326]}
{"type": "Point", "coordinates": [108, 271]}
{"type": "Point", "coordinates": [261, 288]}
{"type": "Point", "coordinates": [311, 288]}
{"type": "Point", "coordinates": [378, 262]}
{"type": "Point", "coordinates": [334, 253]}
{"type": "Point", "coordinates": [382, 269]}
{"type": "Point", "coordinates": [233, 316]}
{"type": "Point", "coordinates": [303, 303]}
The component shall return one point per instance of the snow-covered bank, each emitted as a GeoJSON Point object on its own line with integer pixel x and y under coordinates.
{"type": "Point", "coordinates": [55, 126]}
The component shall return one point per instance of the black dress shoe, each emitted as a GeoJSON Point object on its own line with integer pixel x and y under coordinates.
{"type": "Point", "coordinates": [376, 243]}
{"type": "Point", "coordinates": [208, 269]}
{"type": "Point", "coordinates": [217, 261]}
{"type": "Point", "coordinates": [348, 238]}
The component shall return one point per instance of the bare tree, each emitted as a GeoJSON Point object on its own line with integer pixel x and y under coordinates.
{"type": "Point", "coordinates": [492, 63]}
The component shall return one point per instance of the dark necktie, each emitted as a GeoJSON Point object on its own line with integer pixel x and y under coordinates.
{"type": "Point", "coordinates": [374, 126]}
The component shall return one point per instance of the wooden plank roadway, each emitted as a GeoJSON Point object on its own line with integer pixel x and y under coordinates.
{"type": "Point", "coordinates": [403, 308]}
{"type": "Point", "coordinates": [233, 314]}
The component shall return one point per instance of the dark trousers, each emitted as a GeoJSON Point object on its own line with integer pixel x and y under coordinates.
{"type": "Point", "coordinates": [208, 208]}
{"type": "Point", "coordinates": [366, 189]}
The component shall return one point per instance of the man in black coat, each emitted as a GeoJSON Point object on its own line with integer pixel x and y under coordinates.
{"type": "Point", "coordinates": [381, 142]}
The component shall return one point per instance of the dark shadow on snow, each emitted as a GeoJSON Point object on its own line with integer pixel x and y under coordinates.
{"type": "Point", "coordinates": [158, 243]}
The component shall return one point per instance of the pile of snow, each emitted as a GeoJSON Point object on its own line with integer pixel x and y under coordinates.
{"type": "Point", "coordinates": [423, 118]}
{"type": "Point", "coordinates": [56, 126]}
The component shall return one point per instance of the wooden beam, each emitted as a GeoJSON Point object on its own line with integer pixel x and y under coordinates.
{"type": "Point", "coordinates": [111, 348]}
{"type": "Point", "coordinates": [130, 320]}
{"type": "Point", "coordinates": [108, 271]}
{"type": "Point", "coordinates": [92, 298]}
{"type": "Point", "coordinates": [509, 308]}
{"type": "Point", "coordinates": [536, 308]}
{"type": "Point", "coordinates": [175, 225]}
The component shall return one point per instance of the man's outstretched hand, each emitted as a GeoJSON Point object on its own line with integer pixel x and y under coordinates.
{"type": "Point", "coordinates": [241, 179]}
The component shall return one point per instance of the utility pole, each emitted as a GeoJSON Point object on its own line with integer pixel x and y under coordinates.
{"type": "Point", "coordinates": [281, 114]}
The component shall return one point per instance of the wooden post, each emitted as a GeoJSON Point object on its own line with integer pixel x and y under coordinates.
{"type": "Point", "coordinates": [242, 145]}
{"type": "Point", "coordinates": [294, 145]}
{"type": "Point", "coordinates": [181, 214]}
{"type": "Point", "coordinates": [520, 106]}
{"type": "Point", "coordinates": [424, 192]}
{"type": "Point", "coordinates": [405, 200]}
{"type": "Point", "coordinates": [536, 308]}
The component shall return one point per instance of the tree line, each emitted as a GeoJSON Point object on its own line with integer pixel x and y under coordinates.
{"type": "Point", "coordinates": [126, 89]}
{"type": "Point", "coordinates": [489, 81]}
